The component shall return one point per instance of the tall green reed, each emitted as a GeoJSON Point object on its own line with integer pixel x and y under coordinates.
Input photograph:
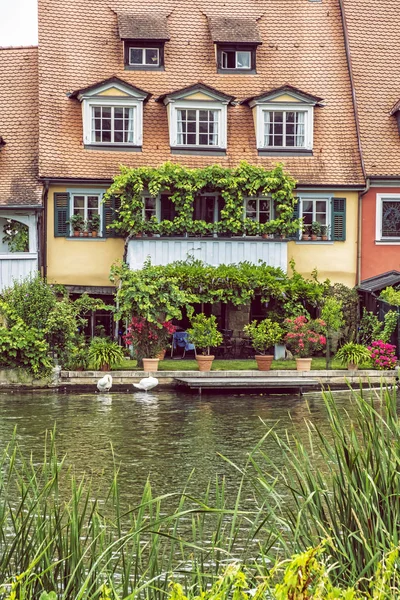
{"type": "Point", "coordinates": [354, 501]}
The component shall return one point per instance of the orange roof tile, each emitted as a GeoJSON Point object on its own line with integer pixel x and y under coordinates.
{"type": "Point", "coordinates": [19, 126]}
{"type": "Point", "coordinates": [142, 27]}
{"type": "Point", "coordinates": [373, 31]}
{"type": "Point", "coordinates": [302, 45]}
{"type": "Point", "coordinates": [234, 29]}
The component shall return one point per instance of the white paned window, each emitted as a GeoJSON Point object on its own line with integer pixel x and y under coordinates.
{"type": "Point", "coordinates": [112, 124]}
{"type": "Point", "coordinates": [387, 217]}
{"type": "Point", "coordinates": [284, 129]}
{"type": "Point", "coordinates": [236, 59]}
{"type": "Point", "coordinates": [144, 57]}
{"type": "Point", "coordinates": [86, 205]}
{"type": "Point", "coordinates": [150, 208]}
{"type": "Point", "coordinates": [314, 210]}
{"type": "Point", "coordinates": [197, 127]}
{"type": "Point", "coordinates": [206, 208]}
{"type": "Point", "coordinates": [258, 209]}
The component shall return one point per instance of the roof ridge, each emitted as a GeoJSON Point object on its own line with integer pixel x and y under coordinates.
{"type": "Point", "coordinates": [19, 47]}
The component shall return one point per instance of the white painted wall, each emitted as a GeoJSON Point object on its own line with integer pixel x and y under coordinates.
{"type": "Point", "coordinates": [213, 251]}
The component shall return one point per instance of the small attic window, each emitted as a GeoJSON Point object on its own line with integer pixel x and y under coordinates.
{"type": "Point", "coordinates": [144, 37]}
{"type": "Point", "coordinates": [236, 42]}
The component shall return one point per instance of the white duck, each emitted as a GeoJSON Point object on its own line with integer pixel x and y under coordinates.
{"type": "Point", "coordinates": [146, 384]}
{"type": "Point", "coordinates": [105, 383]}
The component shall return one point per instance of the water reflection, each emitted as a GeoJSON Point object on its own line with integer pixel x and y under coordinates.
{"type": "Point", "coordinates": [162, 435]}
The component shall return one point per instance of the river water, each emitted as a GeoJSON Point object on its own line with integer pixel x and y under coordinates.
{"type": "Point", "coordinates": [161, 435]}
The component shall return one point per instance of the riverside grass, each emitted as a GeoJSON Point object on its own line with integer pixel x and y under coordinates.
{"type": "Point", "coordinates": [340, 528]}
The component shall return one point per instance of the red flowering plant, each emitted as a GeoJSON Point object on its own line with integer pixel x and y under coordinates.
{"type": "Point", "coordinates": [383, 355]}
{"type": "Point", "coordinates": [304, 336]}
{"type": "Point", "coordinates": [148, 338]}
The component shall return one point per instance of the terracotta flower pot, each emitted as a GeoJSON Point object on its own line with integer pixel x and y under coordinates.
{"type": "Point", "coordinates": [77, 233]}
{"type": "Point", "coordinates": [352, 367]}
{"type": "Point", "coordinates": [264, 361]}
{"type": "Point", "coordinates": [150, 364]}
{"type": "Point", "coordinates": [305, 237]}
{"type": "Point", "coordinates": [313, 236]}
{"type": "Point", "coordinates": [324, 238]}
{"type": "Point", "coordinates": [204, 362]}
{"type": "Point", "coordinates": [161, 354]}
{"type": "Point", "coordinates": [85, 234]}
{"type": "Point", "coordinates": [303, 364]}
{"type": "Point", "coordinates": [94, 233]}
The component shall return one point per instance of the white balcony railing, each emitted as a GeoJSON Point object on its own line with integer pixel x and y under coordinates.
{"type": "Point", "coordinates": [17, 266]}
{"type": "Point", "coordinates": [212, 251]}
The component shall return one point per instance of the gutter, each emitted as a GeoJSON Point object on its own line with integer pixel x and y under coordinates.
{"type": "Point", "coordinates": [45, 194]}
{"type": "Point", "coordinates": [357, 123]}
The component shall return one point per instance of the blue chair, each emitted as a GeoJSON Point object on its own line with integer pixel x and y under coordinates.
{"type": "Point", "coordinates": [180, 339]}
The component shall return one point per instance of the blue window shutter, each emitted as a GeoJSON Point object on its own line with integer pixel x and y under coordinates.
{"type": "Point", "coordinates": [61, 214]}
{"type": "Point", "coordinates": [110, 209]}
{"type": "Point", "coordinates": [338, 222]}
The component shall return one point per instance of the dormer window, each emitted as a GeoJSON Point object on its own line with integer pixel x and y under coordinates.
{"type": "Point", "coordinates": [112, 112]}
{"type": "Point", "coordinates": [284, 121]}
{"type": "Point", "coordinates": [144, 37]}
{"type": "Point", "coordinates": [197, 119]}
{"type": "Point", "coordinates": [236, 42]}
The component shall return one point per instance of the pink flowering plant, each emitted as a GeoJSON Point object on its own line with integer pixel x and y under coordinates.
{"type": "Point", "coordinates": [148, 338]}
{"type": "Point", "coordinates": [383, 355]}
{"type": "Point", "coordinates": [304, 336]}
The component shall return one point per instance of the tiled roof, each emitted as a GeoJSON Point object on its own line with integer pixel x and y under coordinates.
{"type": "Point", "coordinates": [302, 45]}
{"type": "Point", "coordinates": [373, 30]}
{"type": "Point", "coordinates": [231, 29]}
{"type": "Point", "coordinates": [19, 127]}
{"type": "Point", "coordinates": [110, 80]}
{"type": "Point", "coordinates": [142, 27]}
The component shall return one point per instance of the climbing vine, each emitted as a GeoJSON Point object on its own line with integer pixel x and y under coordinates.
{"type": "Point", "coordinates": [183, 185]}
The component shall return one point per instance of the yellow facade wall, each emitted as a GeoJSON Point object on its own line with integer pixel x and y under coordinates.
{"type": "Point", "coordinates": [79, 261]}
{"type": "Point", "coordinates": [336, 261]}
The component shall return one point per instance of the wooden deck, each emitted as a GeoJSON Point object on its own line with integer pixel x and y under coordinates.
{"type": "Point", "coordinates": [262, 384]}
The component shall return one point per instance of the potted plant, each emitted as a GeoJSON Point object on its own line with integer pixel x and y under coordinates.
{"type": "Point", "coordinates": [77, 223]}
{"type": "Point", "coordinates": [264, 336]}
{"type": "Point", "coordinates": [306, 232]}
{"type": "Point", "coordinates": [266, 230]}
{"type": "Point", "coordinates": [304, 336]}
{"type": "Point", "coordinates": [148, 340]}
{"type": "Point", "coordinates": [353, 355]}
{"type": "Point", "coordinates": [324, 232]}
{"type": "Point", "coordinates": [152, 226]}
{"type": "Point", "coordinates": [204, 335]}
{"type": "Point", "coordinates": [94, 224]}
{"type": "Point", "coordinates": [104, 354]}
{"type": "Point", "coordinates": [315, 230]}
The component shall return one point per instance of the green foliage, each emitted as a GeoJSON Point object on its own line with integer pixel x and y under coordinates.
{"type": "Point", "coordinates": [372, 329]}
{"type": "Point", "coordinates": [22, 346]}
{"type": "Point", "coordinates": [76, 355]}
{"type": "Point", "coordinates": [332, 315]}
{"type": "Point", "coordinates": [264, 335]}
{"type": "Point", "coordinates": [204, 333]}
{"type": "Point", "coordinates": [349, 299]}
{"type": "Point", "coordinates": [391, 296]}
{"type": "Point", "coordinates": [103, 351]}
{"type": "Point", "coordinates": [16, 235]}
{"type": "Point", "coordinates": [350, 505]}
{"type": "Point", "coordinates": [32, 299]}
{"type": "Point", "coordinates": [184, 184]}
{"type": "Point", "coordinates": [158, 291]}
{"type": "Point", "coordinates": [353, 353]}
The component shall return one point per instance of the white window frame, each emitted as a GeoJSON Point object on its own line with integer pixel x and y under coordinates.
{"type": "Point", "coordinates": [90, 103]}
{"type": "Point", "coordinates": [315, 198]}
{"type": "Point", "coordinates": [143, 63]}
{"type": "Point", "coordinates": [86, 192]}
{"type": "Point", "coordinates": [196, 105]}
{"type": "Point", "coordinates": [158, 206]}
{"type": "Point", "coordinates": [214, 195]}
{"type": "Point", "coordinates": [378, 230]}
{"type": "Point", "coordinates": [258, 199]}
{"type": "Point", "coordinates": [286, 107]}
{"type": "Point", "coordinates": [224, 52]}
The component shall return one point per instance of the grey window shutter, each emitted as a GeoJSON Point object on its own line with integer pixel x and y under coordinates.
{"type": "Point", "coordinates": [110, 209]}
{"type": "Point", "coordinates": [338, 222]}
{"type": "Point", "coordinates": [61, 214]}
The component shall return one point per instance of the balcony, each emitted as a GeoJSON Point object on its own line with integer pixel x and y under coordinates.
{"type": "Point", "coordinates": [212, 251]}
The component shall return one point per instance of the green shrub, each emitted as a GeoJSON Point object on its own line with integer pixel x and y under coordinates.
{"type": "Point", "coordinates": [353, 353]}
{"type": "Point", "coordinates": [391, 296]}
{"type": "Point", "coordinates": [204, 333]}
{"type": "Point", "coordinates": [32, 299]}
{"type": "Point", "coordinates": [264, 335]}
{"type": "Point", "coordinates": [103, 351]}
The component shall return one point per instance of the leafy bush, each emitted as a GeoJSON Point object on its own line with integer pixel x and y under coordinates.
{"type": "Point", "coordinates": [264, 335]}
{"type": "Point", "coordinates": [32, 299]}
{"type": "Point", "coordinates": [371, 328]}
{"type": "Point", "coordinates": [304, 337]}
{"type": "Point", "coordinates": [383, 355]}
{"type": "Point", "coordinates": [353, 353]}
{"type": "Point", "coordinates": [204, 333]}
{"type": "Point", "coordinates": [103, 352]}
{"type": "Point", "coordinates": [391, 296]}
{"type": "Point", "coordinates": [147, 338]}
